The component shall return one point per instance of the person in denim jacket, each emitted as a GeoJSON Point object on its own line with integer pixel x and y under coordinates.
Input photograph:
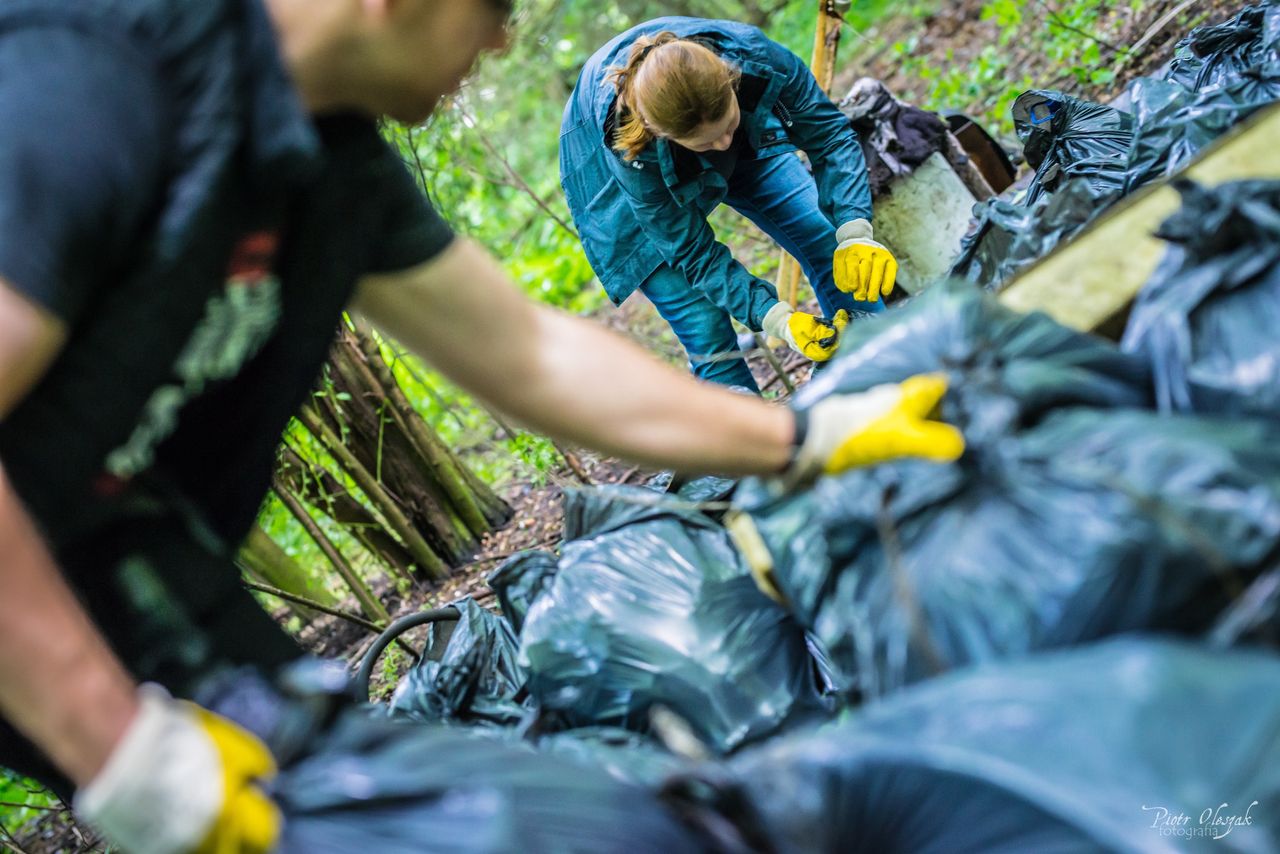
{"type": "Point", "coordinates": [678, 115]}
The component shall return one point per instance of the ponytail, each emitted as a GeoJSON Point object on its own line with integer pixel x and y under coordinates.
{"type": "Point", "coordinates": [678, 84]}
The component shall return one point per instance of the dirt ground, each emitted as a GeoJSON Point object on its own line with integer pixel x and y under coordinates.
{"type": "Point", "coordinates": [538, 514]}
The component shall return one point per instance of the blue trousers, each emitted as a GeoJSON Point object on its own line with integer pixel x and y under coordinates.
{"type": "Point", "coordinates": [779, 195]}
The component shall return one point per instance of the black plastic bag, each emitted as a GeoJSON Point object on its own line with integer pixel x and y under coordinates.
{"type": "Point", "coordinates": [519, 580]}
{"type": "Point", "coordinates": [1006, 368]}
{"type": "Point", "coordinates": [1055, 528]}
{"type": "Point", "coordinates": [1064, 137]}
{"type": "Point", "coordinates": [1209, 319]}
{"type": "Point", "coordinates": [652, 605]}
{"type": "Point", "coordinates": [1071, 144]}
{"type": "Point", "coordinates": [1217, 54]}
{"type": "Point", "coordinates": [1174, 125]}
{"type": "Point", "coordinates": [354, 780]}
{"type": "Point", "coordinates": [1097, 749]}
{"type": "Point", "coordinates": [474, 678]}
{"type": "Point", "coordinates": [1009, 237]}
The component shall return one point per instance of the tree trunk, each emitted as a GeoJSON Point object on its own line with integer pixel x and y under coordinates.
{"type": "Point", "coordinates": [369, 604]}
{"type": "Point", "coordinates": [319, 488]}
{"type": "Point", "coordinates": [267, 561]}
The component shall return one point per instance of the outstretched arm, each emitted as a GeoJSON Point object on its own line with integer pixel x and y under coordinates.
{"type": "Point", "coordinates": [60, 685]}
{"type": "Point", "coordinates": [567, 376]}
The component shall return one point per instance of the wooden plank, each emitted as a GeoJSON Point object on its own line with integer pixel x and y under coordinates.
{"type": "Point", "coordinates": [1089, 282]}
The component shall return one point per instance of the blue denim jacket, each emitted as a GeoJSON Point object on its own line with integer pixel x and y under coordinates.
{"type": "Point", "coordinates": [635, 216]}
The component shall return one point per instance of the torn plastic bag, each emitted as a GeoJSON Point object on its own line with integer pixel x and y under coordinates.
{"type": "Point", "coordinates": [653, 606]}
{"type": "Point", "coordinates": [1217, 54]}
{"type": "Point", "coordinates": [353, 780]}
{"type": "Point", "coordinates": [1208, 319]}
{"type": "Point", "coordinates": [474, 678]}
{"type": "Point", "coordinates": [519, 580]}
{"type": "Point", "coordinates": [1104, 748]}
{"type": "Point", "coordinates": [1090, 524]}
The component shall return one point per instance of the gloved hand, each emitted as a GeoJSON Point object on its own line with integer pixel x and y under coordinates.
{"type": "Point", "coordinates": [810, 336]}
{"type": "Point", "coordinates": [863, 267]}
{"type": "Point", "coordinates": [183, 779]}
{"type": "Point", "coordinates": [883, 423]}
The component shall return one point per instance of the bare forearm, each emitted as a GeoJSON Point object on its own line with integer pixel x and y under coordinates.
{"type": "Point", "coordinates": [60, 685]}
{"type": "Point", "coordinates": [601, 391]}
{"type": "Point", "coordinates": [569, 377]}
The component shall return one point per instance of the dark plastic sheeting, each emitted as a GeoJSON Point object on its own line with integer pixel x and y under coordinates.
{"type": "Point", "coordinates": [1058, 526]}
{"type": "Point", "coordinates": [1087, 156]}
{"type": "Point", "coordinates": [473, 678]}
{"type": "Point", "coordinates": [352, 779]}
{"type": "Point", "coordinates": [1079, 751]}
{"type": "Point", "coordinates": [1209, 319]}
{"type": "Point", "coordinates": [652, 605]}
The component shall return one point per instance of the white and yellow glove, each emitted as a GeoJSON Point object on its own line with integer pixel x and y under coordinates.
{"type": "Point", "coordinates": [807, 334]}
{"type": "Point", "coordinates": [884, 423]}
{"type": "Point", "coordinates": [862, 266]}
{"type": "Point", "coordinates": [183, 780]}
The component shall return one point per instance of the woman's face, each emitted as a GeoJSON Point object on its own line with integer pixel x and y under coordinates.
{"type": "Point", "coordinates": [714, 136]}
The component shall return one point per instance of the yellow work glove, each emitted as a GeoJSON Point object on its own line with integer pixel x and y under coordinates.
{"type": "Point", "coordinates": [863, 267]}
{"type": "Point", "coordinates": [183, 781]}
{"type": "Point", "coordinates": [884, 423]}
{"type": "Point", "coordinates": [812, 337]}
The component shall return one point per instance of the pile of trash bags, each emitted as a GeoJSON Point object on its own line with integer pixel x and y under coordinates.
{"type": "Point", "coordinates": [1074, 514]}
{"type": "Point", "coordinates": [1065, 640]}
{"type": "Point", "coordinates": [1088, 156]}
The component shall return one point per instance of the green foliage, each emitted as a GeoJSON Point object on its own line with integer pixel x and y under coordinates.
{"type": "Point", "coordinates": [30, 797]}
{"type": "Point", "coordinates": [1065, 37]}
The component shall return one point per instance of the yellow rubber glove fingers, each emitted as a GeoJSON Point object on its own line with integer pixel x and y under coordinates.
{"type": "Point", "coordinates": [903, 431]}
{"type": "Point", "coordinates": [884, 272]}
{"type": "Point", "coordinates": [866, 270]}
{"type": "Point", "coordinates": [841, 320]}
{"type": "Point", "coordinates": [845, 267]}
{"type": "Point", "coordinates": [249, 822]}
{"type": "Point", "coordinates": [814, 338]}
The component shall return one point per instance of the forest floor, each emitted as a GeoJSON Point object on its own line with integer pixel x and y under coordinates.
{"type": "Point", "coordinates": [957, 34]}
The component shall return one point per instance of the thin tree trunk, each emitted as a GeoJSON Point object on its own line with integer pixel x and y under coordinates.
{"type": "Point", "coordinates": [267, 561]}
{"type": "Point", "coordinates": [428, 561]}
{"type": "Point", "coordinates": [369, 603]}
{"type": "Point", "coordinates": [319, 488]}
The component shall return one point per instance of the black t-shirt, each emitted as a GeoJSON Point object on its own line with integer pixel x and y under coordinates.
{"type": "Point", "coordinates": [162, 192]}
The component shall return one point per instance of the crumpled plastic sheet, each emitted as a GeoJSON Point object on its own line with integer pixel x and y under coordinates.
{"type": "Point", "coordinates": [1065, 137]}
{"type": "Point", "coordinates": [1221, 75]}
{"type": "Point", "coordinates": [653, 606]}
{"type": "Point", "coordinates": [1215, 54]}
{"type": "Point", "coordinates": [1061, 524]}
{"type": "Point", "coordinates": [519, 580]}
{"type": "Point", "coordinates": [352, 779]}
{"type": "Point", "coordinates": [1208, 321]}
{"type": "Point", "coordinates": [1095, 749]}
{"type": "Point", "coordinates": [474, 678]}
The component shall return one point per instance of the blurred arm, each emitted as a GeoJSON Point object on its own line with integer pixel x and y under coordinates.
{"type": "Point", "coordinates": [60, 685]}
{"type": "Point", "coordinates": [566, 376]}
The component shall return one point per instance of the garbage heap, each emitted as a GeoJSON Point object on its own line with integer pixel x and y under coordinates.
{"type": "Point", "coordinates": [1088, 156]}
{"type": "Point", "coordinates": [1066, 640]}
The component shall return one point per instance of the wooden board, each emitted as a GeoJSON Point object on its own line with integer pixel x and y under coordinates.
{"type": "Point", "coordinates": [1089, 282]}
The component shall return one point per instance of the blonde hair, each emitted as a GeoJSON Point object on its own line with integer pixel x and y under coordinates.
{"type": "Point", "coordinates": [678, 84]}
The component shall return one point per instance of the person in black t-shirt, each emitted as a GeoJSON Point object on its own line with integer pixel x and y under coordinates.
{"type": "Point", "coordinates": [191, 191]}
